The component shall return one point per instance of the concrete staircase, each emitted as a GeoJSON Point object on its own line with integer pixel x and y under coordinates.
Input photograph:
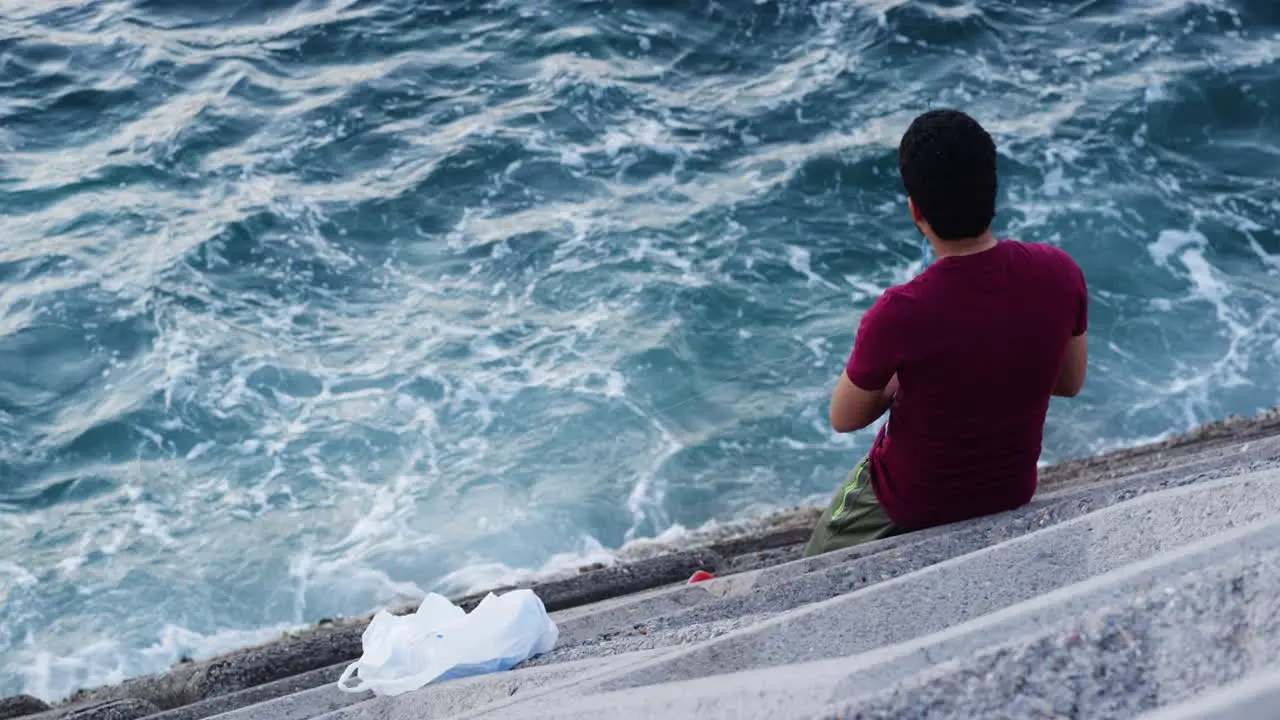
{"type": "Point", "coordinates": [1155, 594]}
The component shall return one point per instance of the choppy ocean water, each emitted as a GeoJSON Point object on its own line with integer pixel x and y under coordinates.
{"type": "Point", "coordinates": [306, 308]}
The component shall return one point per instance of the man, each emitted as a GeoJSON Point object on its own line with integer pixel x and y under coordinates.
{"type": "Point", "coordinates": [964, 357]}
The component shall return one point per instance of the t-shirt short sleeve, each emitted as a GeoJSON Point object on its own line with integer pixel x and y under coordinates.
{"type": "Point", "coordinates": [1081, 293]}
{"type": "Point", "coordinates": [875, 353]}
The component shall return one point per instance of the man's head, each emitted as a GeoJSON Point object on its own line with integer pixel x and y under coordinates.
{"type": "Point", "coordinates": [948, 167]}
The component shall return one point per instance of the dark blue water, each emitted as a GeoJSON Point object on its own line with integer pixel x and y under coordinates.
{"type": "Point", "coordinates": [310, 307]}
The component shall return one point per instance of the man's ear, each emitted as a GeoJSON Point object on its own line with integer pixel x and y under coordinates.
{"type": "Point", "coordinates": [916, 215]}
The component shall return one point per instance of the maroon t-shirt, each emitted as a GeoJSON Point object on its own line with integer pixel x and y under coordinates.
{"type": "Point", "coordinates": [977, 342]}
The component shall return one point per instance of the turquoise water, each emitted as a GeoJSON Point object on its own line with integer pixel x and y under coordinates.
{"type": "Point", "coordinates": [306, 308]}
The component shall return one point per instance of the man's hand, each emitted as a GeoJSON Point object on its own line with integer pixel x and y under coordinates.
{"type": "Point", "coordinates": [853, 408]}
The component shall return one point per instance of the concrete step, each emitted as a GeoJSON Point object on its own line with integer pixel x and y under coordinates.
{"type": "Point", "coordinates": [442, 700]}
{"type": "Point", "coordinates": [964, 587]}
{"type": "Point", "coordinates": [1201, 604]}
{"type": "Point", "coordinates": [677, 615]}
{"type": "Point", "coordinates": [893, 610]}
{"type": "Point", "coordinates": [1211, 627]}
{"type": "Point", "coordinates": [317, 685]}
{"type": "Point", "coordinates": [1257, 697]}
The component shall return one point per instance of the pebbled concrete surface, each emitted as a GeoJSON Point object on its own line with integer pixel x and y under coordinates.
{"type": "Point", "coordinates": [20, 705]}
{"type": "Point", "coordinates": [452, 698]}
{"type": "Point", "coordinates": [800, 690]}
{"type": "Point", "coordinates": [625, 579]}
{"type": "Point", "coordinates": [715, 608]}
{"type": "Point", "coordinates": [288, 687]}
{"type": "Point", "coordinates": [1256, 697]}
{"type": "Point", "coordinates": [983, 581]}
{"type": "Point", "coordinates": [122, 709]}
{"type": "Point", "coordinates": [1157, 513]}
{"type": "Point", "coordinates": [1201, 442]}
{"type": "Point", "coordinates": [1214, 627]}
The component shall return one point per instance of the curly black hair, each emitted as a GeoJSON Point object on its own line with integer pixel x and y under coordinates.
{"type": "Point", "coordinates": [948, 166]}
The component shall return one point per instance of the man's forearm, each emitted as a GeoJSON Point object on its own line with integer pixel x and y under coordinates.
{"type": "Point", "coordinates": [853, 408]}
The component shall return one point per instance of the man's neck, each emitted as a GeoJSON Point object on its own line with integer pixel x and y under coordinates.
{"type": "Point", "coordinates": [957, 248]}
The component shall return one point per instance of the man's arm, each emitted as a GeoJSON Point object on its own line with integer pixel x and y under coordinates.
{"type": "Point", "coordinates": [1071, 377]}
{"type": "Point", "coordinates": [1074, 366]}
{"type": "Point", "coordinates": [853, 408]}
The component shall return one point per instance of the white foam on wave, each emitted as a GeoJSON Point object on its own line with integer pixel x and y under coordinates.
{"type": "Point", "coordinates": [480, 577]}
{"type": "Point", "coordinates": [1185, 254]}
{"type": "Point", "coordinates": [801, 260]}
{"type": "Point", "coordinates": [1207, 284]}
{"type": "Point", "coordinates": [103, 660]}
{"type": "Point", "coordinates": [590, 553]}
{"type": "Point", "coordinates": [645, 501]}
{"type": "Point", "coordinates": [1169, 242]}
{"type": "Point", "coordinates": [350, 583]}
{"type": "Point", "coordinates": [15, 576]}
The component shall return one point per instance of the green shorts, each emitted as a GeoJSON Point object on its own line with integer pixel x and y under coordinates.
{"type": "Point", "coordinates": [853, 517]}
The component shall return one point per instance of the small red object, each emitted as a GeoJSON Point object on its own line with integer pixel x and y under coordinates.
{"type": "Point", "coordinates": [700, 576]}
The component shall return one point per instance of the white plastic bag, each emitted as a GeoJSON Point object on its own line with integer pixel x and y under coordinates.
{"type": "Point", "coordinates": [440, 641]}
